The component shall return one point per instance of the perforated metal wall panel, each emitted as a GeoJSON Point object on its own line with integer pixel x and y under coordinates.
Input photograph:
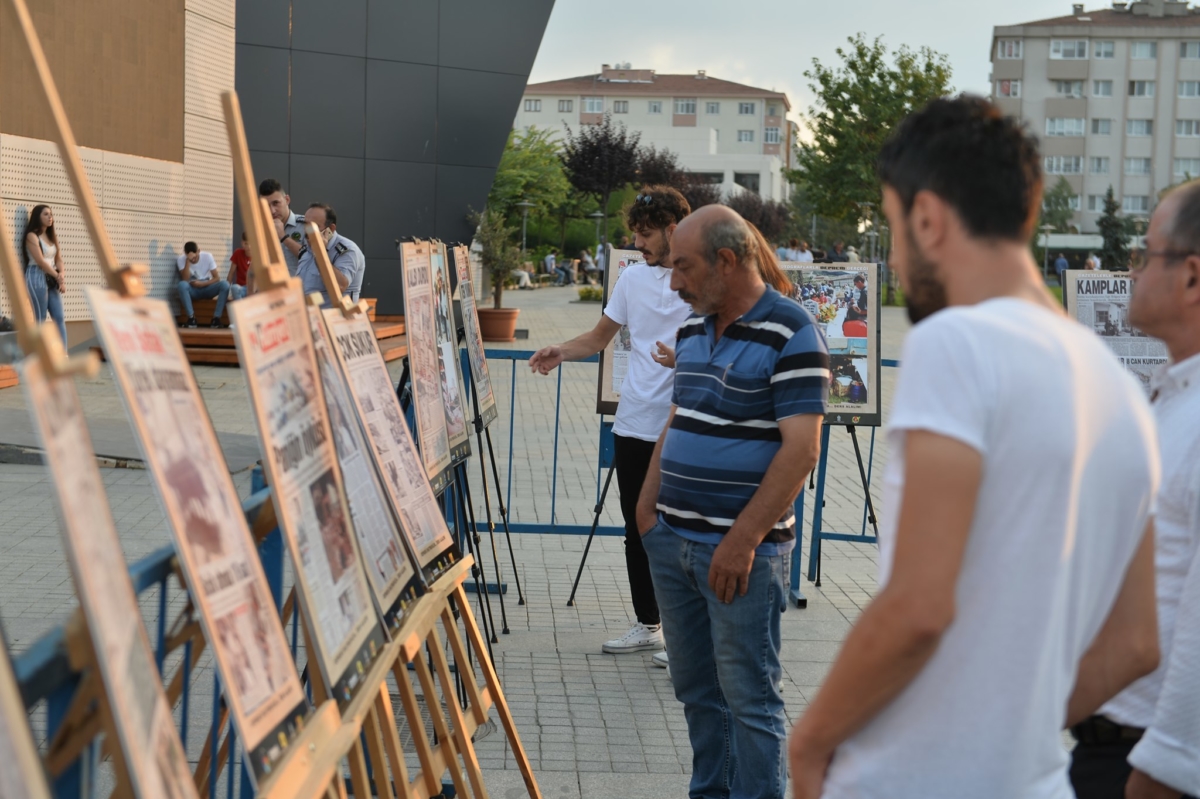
{"type": "Point", "coordinates": [78, 258]}
{"type": "Point", "coordinates": [142, 184]}
{"type": "Point", "coordinates": [222, 11]}
{"type": "Point", "coordinates": [208, 65]}
{"type": "Point", "coordinates": [202, 133]}
{"type": "Point", "coordinates": [152, 239]}
{"type": "Point", "coordinates": [209, 185]}
{"type": "Point", "coordinates": [32, 168]}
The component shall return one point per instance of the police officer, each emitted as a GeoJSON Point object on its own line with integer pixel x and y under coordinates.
{"type": "Point", "coordinates": [347, 259]}
{"type": "Point", "coordinates": [289, 226]}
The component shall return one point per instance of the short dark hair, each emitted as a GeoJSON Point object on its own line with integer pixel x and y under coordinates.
{"type": "Point", "coordinates": [191, 247]}
{"type": "Point", "coordinates": [656, 207]}
{"type": "Point", "coordinates": [1184, 231]}
{"type": "Point", "coordinates": [330, 214]}
{"type": "Point", "coordinates": [983, 164]}
{"type": "Point", "coordinates": [860, 278]}
{"type": "Point", "coordinates": [269, 186]}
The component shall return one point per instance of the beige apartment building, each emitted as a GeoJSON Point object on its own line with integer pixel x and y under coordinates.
{"type": "Point", "coordinates": [1114, 96]}
{"type": "Point", "coordinates": [735, 135]}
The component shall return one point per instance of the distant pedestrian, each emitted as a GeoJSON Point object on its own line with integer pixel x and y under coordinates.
{"type": "Point", "coordinates": [838, 253]}
{"type": "Point", "coordinates": [590, 272]}
{"type": "Point", "coordinates": [199, 280]}
{"type": "Point", "coordinates": [802, 254]}
{"type": "Point", "coordinates": [1090, 263]}
{"type": "Point", "coordinates": [349, 265]}
{"type": "Point", "coordinates": [240, 277]}
{"type": "Point", "coordinates": [45, 274]}
{"type": "Point", "coordinates": [852, 255]}
{"type": "Point", "coordinates": [289, 225]}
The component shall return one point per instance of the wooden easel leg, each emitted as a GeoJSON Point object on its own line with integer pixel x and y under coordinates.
{"type": "Point", "coordinates": [431, 775]}
{"type": "Point", "coordinates": [385, 715]}
{"type": "Point", "coordinates": [383, 778]}
{"type": "Point", "coordinates": [479, 706]}
{"type": "Point", "coordinates": [445, 740]}
{"type": "Point", "coordinates": [466, 747]}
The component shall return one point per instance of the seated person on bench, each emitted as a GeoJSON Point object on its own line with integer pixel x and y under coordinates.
{"type": "Point", "coordinates": [198, 280]}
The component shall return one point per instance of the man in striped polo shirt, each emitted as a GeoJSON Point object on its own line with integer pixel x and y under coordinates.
{"type": "Point", "coordinates": [751, 380]}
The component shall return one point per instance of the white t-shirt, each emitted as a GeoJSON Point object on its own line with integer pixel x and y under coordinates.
{"type": "Point", "coordinates": [203, 269]}
{"type": "Point", "coordinates": [801, 256]}
{"type": "Point", "coordinates": [1070, 467]}
{"type": "Point", "coordinates": [643, 300]}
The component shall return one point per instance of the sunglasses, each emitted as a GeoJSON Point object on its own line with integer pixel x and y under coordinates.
{"type": "Point", "coordinates": [645, 199]}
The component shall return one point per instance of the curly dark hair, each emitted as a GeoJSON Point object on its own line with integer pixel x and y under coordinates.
{"type": "Point", "coordinates": [656, 208]}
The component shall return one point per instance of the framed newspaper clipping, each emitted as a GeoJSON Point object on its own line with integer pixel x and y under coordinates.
{"type": "Point", "coordinates": [274, 343]}
{"type": "Point", "coordinates": [378, 411]}
{"type": "Point", "coordinates": [844, 299]}
{"type": "Point", "coordinates": [614, 359]}
{"type": "Point", "coordinates": [149, 743]}
{"type": "Point", "coordinates": [22, 776]}
{"type": "Point", "coordinates": [449, 367]}
{"type": "Point", "coordinates": [1100, 301]}
{"type": "Point", "coordinates": [389, 563]}
{"type": "Point", "coordinates": [424, 361]}
{"type": "Point", "coordinates": [212, 540]}
{"type": "Point", "coordinates": [481, 378]}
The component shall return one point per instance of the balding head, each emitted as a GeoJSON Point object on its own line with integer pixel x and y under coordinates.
{"type": "Point", "coordinates": [714, 255]}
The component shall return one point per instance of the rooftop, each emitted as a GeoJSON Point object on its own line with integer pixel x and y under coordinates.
{"type": "Point", "coordinates": [1139, 14]}
{"type": "Point", "coordinates": [646, 82]}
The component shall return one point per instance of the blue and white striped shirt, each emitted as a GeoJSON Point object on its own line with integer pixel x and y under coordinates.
{"type": "Point", "coordinates": [729, 396]}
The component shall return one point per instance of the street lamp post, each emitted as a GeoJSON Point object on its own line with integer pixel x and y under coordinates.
{"type": "Point", "coordinates": [1046, 229]}
{"type": "Point", "coordinates": [524, 205]}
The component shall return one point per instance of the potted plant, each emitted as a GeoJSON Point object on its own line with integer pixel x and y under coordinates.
{"type": "Point", "coordinates": [500, 257]}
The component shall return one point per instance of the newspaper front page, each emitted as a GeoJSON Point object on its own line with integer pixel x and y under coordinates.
{"type": "Point", "coordinates": [212, 539]}
{"type": "Point", "coordinates": [614, 359]}
{"type": "Point", "coordinates": [150, 745]}
{"type": "Point", "coordinates": [476, 356]}
{"type": "Point", "coordinates": [274, 344]}
{"type": "Point", "coordinates": [449, 371]}
{"type": "Point", "coordinates": [1100, 301]}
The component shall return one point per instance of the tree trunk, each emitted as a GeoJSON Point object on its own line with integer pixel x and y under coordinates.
{"type": "Point", "coordinates": [498, 291]}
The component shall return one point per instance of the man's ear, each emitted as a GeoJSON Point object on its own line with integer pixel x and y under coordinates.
{"type": "Point", "coordinates": [1190, 278]}
{"type": "Point", "coordinates": [670, 231]}
{"type": "Point", "coordinates": [929, 220]}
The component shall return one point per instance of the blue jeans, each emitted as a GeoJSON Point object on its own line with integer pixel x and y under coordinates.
{"type": "Point", "coordinates": [564, 276]}
{"type": "Point", "coordinates": [45, 302]}
{"type": "Point", "coordinates": [187, 293]}
{"type": "Point", "coordinates": [725, 667]}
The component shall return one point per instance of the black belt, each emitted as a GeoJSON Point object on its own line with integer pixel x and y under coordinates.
{"type": "Point", "coordinates": [1098, 731]}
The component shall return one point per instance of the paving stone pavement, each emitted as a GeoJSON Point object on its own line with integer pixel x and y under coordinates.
{"type": "Point", "coordinates": [594, 725]}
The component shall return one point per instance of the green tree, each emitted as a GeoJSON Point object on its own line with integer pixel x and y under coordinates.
{"type": "Point", "coordinates": [600, 160]}
{"type": "Point", "coordinates": [1115, 230]}
{"type": "Point", "coordinates": [500, 257]}
{"type": "Point", "coordinates": [1056, 207]}
{"type": "Point", "coordinates": [858, 104]}
{"type": "Point", "coordinates": [529, 171]}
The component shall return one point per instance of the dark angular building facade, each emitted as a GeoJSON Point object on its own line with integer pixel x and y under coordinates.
{"type": "Point", "coordinates": [393, 111]}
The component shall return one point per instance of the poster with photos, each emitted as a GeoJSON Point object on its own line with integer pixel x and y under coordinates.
{"type": "Point", "coordinates": [149, 743]}
{"type": "Point", "coordinates": [212, 540]}
{"type": "Point", "coordinates": [481, 378]}
{"type": "Point", "coordinates": [378, 412]}
{"type": "Point", "coordinates": [391, 569]}
{"type": "Point", "coordinates": [424, 362]}
{"type": "Point", "coordinates": [22, 776]}
{"type": "Point", "coordinates": [614, 359]}
{"type": "Point", "coordinates": [1100, 301]}
{"type": "Point", "coordinates": [844, 299]}
{"type": "Point", "coordinates": [449, 366]}
{"type": "Point", "coordinates": [274, 343]}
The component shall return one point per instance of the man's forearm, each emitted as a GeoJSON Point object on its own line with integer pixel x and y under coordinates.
{"type": "Point", "coordinates": [343, 280]}
{"type": "Point", "coordinates": [647, 505]}
{"type": "Point", "coordinates": [582, 346]}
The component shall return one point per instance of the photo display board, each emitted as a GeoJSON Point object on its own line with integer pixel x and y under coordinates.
{"type": "Point", "coordinates": [1100, 301]}
{"type": "Point", "coordinates": [22, 776]}
{"type": "Point", "coordinates": [274, 345]}
{"type": "Point", "coordinates": [449, 367]}
{"type": "Point", "coordinates": [212, 540]}
{"type": "Point", "coordinates": [149, 743]}
{"type": "Point", "coordinates": [614, 359]}
{"type": "Point", "coordinates": [377, 410]}
{"type": "Point", "coordinates": [844, 299]}
{"type": "Point", "coordinates": [481, 378]}
{"type": "Point", "coordinates": [389, 563]}
{"type": "Point", "coordinates": [424, 362]}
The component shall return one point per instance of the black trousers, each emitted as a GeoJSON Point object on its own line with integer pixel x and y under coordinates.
{"type": "Point", "coordinates": [632, 459]}
{"type": "Point", "coordinates": [1100, 771]}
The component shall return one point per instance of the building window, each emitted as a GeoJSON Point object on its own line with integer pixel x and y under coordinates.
{"type": "Point", "coordinates": [533, 105]}
{"type": "Point", "coordinates": [1102, 88]}
{"type": "Point", "coordinates": [1187, 167]}
{"type": "Point", "coordinates": [712, 108]}
{"type": "Point", "coordinates": [1064, 126]}
{"type": "Point", "coordinates": [1135, 204]}
{"type": "Point", "coordinates": [1187, 127]}
{"type": "Point", "coordinates": [620, 106]}
{"type": "Point", "coordinates": [746, 109]}
{"type": "Point", "coordinates": [771, 135]}
{"type": "Point", "coordinates": [1101, 127]}
{"type": "Point", "coordinates": [1143, 50]}
{"type": "Point", "coordinates": [1008, 48]}
{"type": "Point", "coordinates": [772, 110]}
{"type": "Point", "coordinates": [1098, 165]}
{"type": "Point", "coordinates": [1008, 88]}
{"type": "Point", "coordinates": [1141, 88]}
{"type": "Point", "coordinates": [1137, 166]}
{"type": "Point", "coordinates": [1068, 48]}
{"type": "Point", "coordinates": [1189, 88]}
{"type": "Point", "coordinates": [654, 107]}
{"type": "Point", "coordinates": [685, 105]}
{"type": "Point", "coordinates": [593, 105]}
{"type": "Point", "coordinates": [1064, 164]}
{"type": "Point", "coordinates": [566, 106]}
{"type": "Point", "coordinates": [1070, 88]}
{"type": "Point", "coordinates": [1102, 49]}
{"type": "Point", "coordinates": [1096, 202]}
{"type": "Point", "coordinates": [745, 135]}
{"type": "Point", "coordinates": [747, 180]}
{"type": "Point", "coordinates": [1074, 202]}
{"type": "Point", "coordinates": [1189, 49]}
{"type": "Point", "coordinates": [1139, 127]}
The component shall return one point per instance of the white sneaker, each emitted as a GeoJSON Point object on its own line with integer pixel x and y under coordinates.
{"type": "Point", "coordinates": [660, 660]}
{"type": "Point", "coordinates": [639, 638]}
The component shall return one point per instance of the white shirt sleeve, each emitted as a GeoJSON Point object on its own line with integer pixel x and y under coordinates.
{"type": "Point", "coordinates": [209, 263]}
{"type": "Point", "coordinates": [1170, 750]}
{"type": "Point", "coordinates": [618, 302]}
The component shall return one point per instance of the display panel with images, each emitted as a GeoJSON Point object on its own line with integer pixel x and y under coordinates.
{"type": "Point", "coordinates": [844, 300]}
{"type": "Point", "coordinates": [150, 744]}
{"type": "Point", "coordinates": [424, 361]}
{"type": "Point", "coordinates": [274, 343]}
{"type": "Point", "coordinates": [212, 540]}
{"type": "Point", "coordinates": [21, 776]}
{"type": "Point", "coordinates": [449, 368]}
{"type": "Point", "coordinates": [1100, 301]}
{"type": "Point", "coordinates": [481, 378]}
{"type": "Point", "coordinates": [614, 359]}
{"type": "Point", "coordinates": [395, 456]}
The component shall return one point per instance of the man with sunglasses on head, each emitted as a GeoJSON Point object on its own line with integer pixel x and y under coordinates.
{"type": "Point", "coordinates": [347, 259]}
{"type": "Point", "coordinates": [643, 301]}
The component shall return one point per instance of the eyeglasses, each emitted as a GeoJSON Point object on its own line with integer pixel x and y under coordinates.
{"type": "Point", "coordinates": [645, 199]}
{"type": "Point", "coordinates": [1141, 257]}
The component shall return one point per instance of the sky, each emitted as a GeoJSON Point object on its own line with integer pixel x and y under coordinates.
{"type": "Point", "coordinates": [770, 43]}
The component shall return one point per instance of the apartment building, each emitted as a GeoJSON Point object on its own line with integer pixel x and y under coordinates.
{"type": "Point", "coordinates": [1114, 96]}
{"type": "Point", "coordinates": [734, 135]}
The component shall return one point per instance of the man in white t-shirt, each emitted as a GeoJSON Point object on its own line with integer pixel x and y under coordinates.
{"type": "Point", "coordinates": [1145, 743]}
{"type": "Point", "coordinates": [200, 280]}
{"type": "Point", "coordinates": [642, 301]}
{"type": "Point", "coordinates": [1016, 560]}
{"type": "Point", "coordinates": [802, 254]}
